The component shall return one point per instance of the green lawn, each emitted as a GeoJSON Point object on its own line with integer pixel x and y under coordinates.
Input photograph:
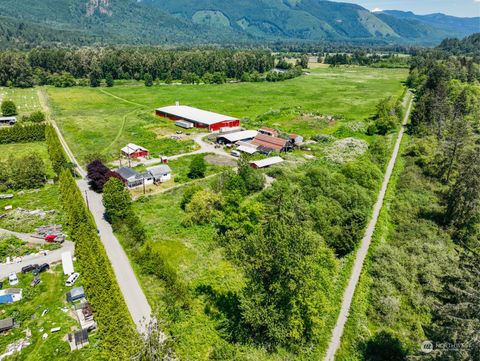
{"type": "Point", "coordinates": [102, 120]}
{"type": "Point", "coordinates": [18, 150]}
{"type": "Point", "coordinates": [25, 99]}
{"type": "Point", "coordinates": [28, 315]}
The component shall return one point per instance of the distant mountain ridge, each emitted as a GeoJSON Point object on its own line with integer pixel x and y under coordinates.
{"type": "Point", "coordinates": [217, 21]}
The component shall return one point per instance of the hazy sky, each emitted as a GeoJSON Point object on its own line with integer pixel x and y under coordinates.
{"type": "Point", "coordinates": [468, 8]}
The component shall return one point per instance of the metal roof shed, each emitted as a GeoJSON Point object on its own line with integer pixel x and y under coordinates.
{"type": "Point", "coordinates": [267, 162]}
{"type": "Point", "coordinates": [6, 324]}
{"type": "Point", "coordinates": [75, 294]}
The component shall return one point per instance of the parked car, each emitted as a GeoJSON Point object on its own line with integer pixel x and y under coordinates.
{"type": "Point", "coordinates": [41, 268]}
{"type": "Point", "coordinates": [29, 268]}
{"type": "Point", "coordinates": [13, 279]}
{"type": "Point", "coordinates": [72, 279]}
{"type": "Point", "coordinates": [235, 153]}
{"type": "Point", "coordinates": [36, 280]}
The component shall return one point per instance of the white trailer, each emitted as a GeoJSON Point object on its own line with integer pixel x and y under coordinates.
{"type": "Point", "coordinates": [67, 263]}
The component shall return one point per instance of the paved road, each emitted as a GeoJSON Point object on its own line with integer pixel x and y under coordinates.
{"type": "Point", "coordinates": [205, 147]}
{"type": "Point", "coordinates": [132, 292]}
{"type": "Point", "coordinates": [51, 257]}
{"type": "Point", "coordinates": [363, 250]}
{"type": "Point", "coordinates": [129, 286]}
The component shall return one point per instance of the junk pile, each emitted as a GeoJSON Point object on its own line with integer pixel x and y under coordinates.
{"type": "Point", "coordinates": [50, 233]}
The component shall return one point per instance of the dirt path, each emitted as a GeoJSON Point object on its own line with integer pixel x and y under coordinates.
{"type": "Point", "coordinates": [363, 250]}
{"type": "Point", "coordinates": [122, 99]}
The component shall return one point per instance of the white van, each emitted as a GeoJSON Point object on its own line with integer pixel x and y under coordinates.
{"type": "Point", "coordinates": [72, 279]}
{"type": "Point", "coordinates": [13, 279]}
{"type": "Point", "coordinates": [235, 153]}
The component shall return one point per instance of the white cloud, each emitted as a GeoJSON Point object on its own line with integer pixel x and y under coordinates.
{"type": "Point", "coordinates": [378, 10]}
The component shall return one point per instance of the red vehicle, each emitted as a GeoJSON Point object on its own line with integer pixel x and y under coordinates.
{"type": "Point", "coordinates": [53, 238]}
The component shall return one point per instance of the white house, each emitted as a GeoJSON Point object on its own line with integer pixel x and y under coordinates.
{"type": "Point", "coordinates": [160, 173]}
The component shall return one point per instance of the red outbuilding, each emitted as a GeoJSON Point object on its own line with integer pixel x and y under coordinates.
{"type": "Point", "coordinates": [134, 151]}
{"type": "Point", "coordinates": [198, 117]}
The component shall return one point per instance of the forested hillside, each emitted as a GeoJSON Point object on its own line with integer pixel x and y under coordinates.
{"type": "Point", "coordinates": [219, 22]}
{"type": "Point", "coordinates": [421, 282]}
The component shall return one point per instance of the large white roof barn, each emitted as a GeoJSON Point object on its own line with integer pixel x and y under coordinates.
{"type": "Point", "coordinates": [199, 117]}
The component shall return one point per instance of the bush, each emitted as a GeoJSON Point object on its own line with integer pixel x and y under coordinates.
{"type": "Point", "coordinates": [37, 117]}
{"type": "Point", "coordinates": [383, 346]}
{"type": "Point", "coordinates": [9, 108]}
{"type": "Point", "coordinates": [198, 167]}
{"type": "Point", "coordinates": [22, 133]}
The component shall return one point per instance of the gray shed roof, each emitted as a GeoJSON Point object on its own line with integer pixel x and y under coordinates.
{"type": "Point", "coordinates": [6, 324]}
{"type": "Point", "coordinates": [159, 170]}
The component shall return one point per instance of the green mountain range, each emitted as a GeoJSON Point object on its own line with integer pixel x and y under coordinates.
{"type": "Point", "coordinates": [216, 21]}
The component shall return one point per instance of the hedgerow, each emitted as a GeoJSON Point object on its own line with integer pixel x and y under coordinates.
{"type": "Point", "coordinates": [116, 328]}
{"type": "Point", "coordinates": [55, 150]}
{"type": "Point", "coordinates": [22, 133]}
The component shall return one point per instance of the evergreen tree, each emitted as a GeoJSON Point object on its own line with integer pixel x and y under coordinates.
{"type": "Point", "coordinates": [116, 199]}
{"type": "Point", "coordinates": [148, 80]}
{"type": "Point", "coordinates": [109, 80]}
{"type": "Point", "coordinates": [9, 108]}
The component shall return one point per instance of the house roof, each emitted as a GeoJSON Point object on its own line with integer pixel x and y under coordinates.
{"type": "Point", "coordinates": [6, 324]}
{"type": "Point", "coordinates": [80, 336]}
{"type": "Point", "coordinates": [269, 142]}
{"type": "Point", "coordinates": [6, 299]}
{"type": "Point", "coordinates": [127, 173]}
{"type": "Point", "coordinates": [235, 137]}
{"type": "Point", "coordinates": [159, 170]}
{"type": "Point", "coordinates": [267, 162]}
{"type": "Point", "coordinates": [195, 114]}
{"type": "Point", "coordinates": [131, 148]}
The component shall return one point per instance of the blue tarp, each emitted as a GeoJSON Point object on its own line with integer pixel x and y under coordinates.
{"type": "Point", "coordinates": [6, 299]}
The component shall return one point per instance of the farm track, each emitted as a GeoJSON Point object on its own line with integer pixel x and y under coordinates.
{"type": "Point", "coordinates": [133, 294]}
{"type": "Point", "coordinates": [362, 253]}
{"type": "Point", "coordinates": [123, 99]}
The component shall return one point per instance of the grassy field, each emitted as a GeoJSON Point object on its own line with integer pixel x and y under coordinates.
{"type": "Point", "coordinates": [50, 294]}
{"type": "Point", "coordinates": [25, 99]}
{"type": "Point", "coordinates": [18, 150]}
{"type": "Point", "coordinates": [103, 120]}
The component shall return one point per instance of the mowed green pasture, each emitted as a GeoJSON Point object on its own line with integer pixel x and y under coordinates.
{"type": "Point", "coordinates": [102, 120]}
{"type": "Point", "coordinates": [26, 100]}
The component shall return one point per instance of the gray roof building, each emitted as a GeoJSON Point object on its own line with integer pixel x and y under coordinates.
{"type": "Point", "coordinates": [6, 324]}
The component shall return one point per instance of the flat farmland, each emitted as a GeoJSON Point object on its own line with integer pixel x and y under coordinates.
{"type": "Point", "coordinates": [102, 120]}
{"type": "Point", "coordinates": [25, 99]}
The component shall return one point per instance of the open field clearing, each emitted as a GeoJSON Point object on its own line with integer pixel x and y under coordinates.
{"type": "Point", "coordinates": [25, 99]}
{"type": "Point", "coordinates": [23, 149]}
{"type": "Point", "coordinates": [102, 120]}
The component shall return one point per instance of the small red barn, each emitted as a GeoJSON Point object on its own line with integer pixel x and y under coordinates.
{"type": "Point", "coordinates": [134, 151]}
{"type": "Point", "coordinates": [198, 117]}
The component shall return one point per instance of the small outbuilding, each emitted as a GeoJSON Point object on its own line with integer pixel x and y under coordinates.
{"type": "Point", "coordinates": [184, 124]}
{"type": "Point", "coordinates": [6, 324]}
{"type": "Point", "coordinates": [160, 173]}
{"type": "Point", "coordinates": [75, 294]}
{"type": "Point", "coordinates": [295, 139]}
{"type": "Point", "coordinates": [67, 263]}
{"type": "Point", "coordinates": [248, 149]}
{"type": "Point", "coordinates": [134, 151]}
{"type": "Point", "coordinates": [267, 162]}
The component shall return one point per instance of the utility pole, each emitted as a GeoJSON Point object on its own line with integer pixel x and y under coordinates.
{"type": "Point", "coordinates": [86, 199]}
{"type": "Point", "coordinates": [143, 184]}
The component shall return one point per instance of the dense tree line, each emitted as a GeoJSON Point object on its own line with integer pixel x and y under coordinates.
{"type": "Point", "coordinates": [364, 58]}
{"type": "Point", "coordinates": [469, 45]}
{"type": "Point", "coordinates": [20, 133]}
{"type": "Point", "coordinates": [55, 150]}
{"type": "Point", "coordinates": [118, 338]}
{"type": "Point", "coordinates": [61, 67]}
